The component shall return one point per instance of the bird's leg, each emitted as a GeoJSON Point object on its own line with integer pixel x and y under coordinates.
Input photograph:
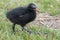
{"type": "Point", "coordinates": [13, 27]}
{"type": "Point", "coordinates": [29, 31]}
{"type": "Point", "coordinates": [25, 29]}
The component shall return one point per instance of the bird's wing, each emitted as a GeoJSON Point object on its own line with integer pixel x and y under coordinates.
{"type": "Point", "coordinates": [24, 16]}
{"type": "Point", "coordinates": [21, 16]}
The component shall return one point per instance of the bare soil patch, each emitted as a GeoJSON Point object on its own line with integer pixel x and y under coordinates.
{"type": "Point", "coordinates": [47, 20]}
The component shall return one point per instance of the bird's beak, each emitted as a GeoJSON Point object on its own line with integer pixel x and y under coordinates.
{"type": "Point", "coordinates": [36, 10]}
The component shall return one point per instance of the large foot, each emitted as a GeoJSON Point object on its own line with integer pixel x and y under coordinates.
{"type": "Point", "coordinates": [24, 29]}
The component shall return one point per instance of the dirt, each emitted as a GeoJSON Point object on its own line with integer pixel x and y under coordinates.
{"type": "Point", "coordinates": [47, 20]}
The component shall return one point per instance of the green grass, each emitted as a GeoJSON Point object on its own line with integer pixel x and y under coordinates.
{"type": "Point", "coordinates": [50, 6]}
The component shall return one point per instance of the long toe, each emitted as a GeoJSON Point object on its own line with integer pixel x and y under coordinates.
{"type": "Point", "coordinates": [29, 31]}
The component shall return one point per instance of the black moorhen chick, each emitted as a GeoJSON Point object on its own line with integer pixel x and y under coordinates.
{"type": "Point", "coordinates": [22, 15]}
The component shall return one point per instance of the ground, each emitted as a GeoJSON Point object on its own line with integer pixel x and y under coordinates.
{"type": "Point", "coordinates": [42, 23]}
{"type": "Point", "coordinates": [48, 21]}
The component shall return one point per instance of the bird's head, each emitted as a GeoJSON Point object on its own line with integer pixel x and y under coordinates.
{"type": "Point", "coordinates": [32, 7]}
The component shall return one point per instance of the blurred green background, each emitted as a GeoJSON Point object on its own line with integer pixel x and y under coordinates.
{"type": "Point", "coordinates": [50, 6]}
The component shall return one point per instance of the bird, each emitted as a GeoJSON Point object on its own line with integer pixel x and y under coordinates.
{"type": "Point", "coordinates": [22, 15]}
